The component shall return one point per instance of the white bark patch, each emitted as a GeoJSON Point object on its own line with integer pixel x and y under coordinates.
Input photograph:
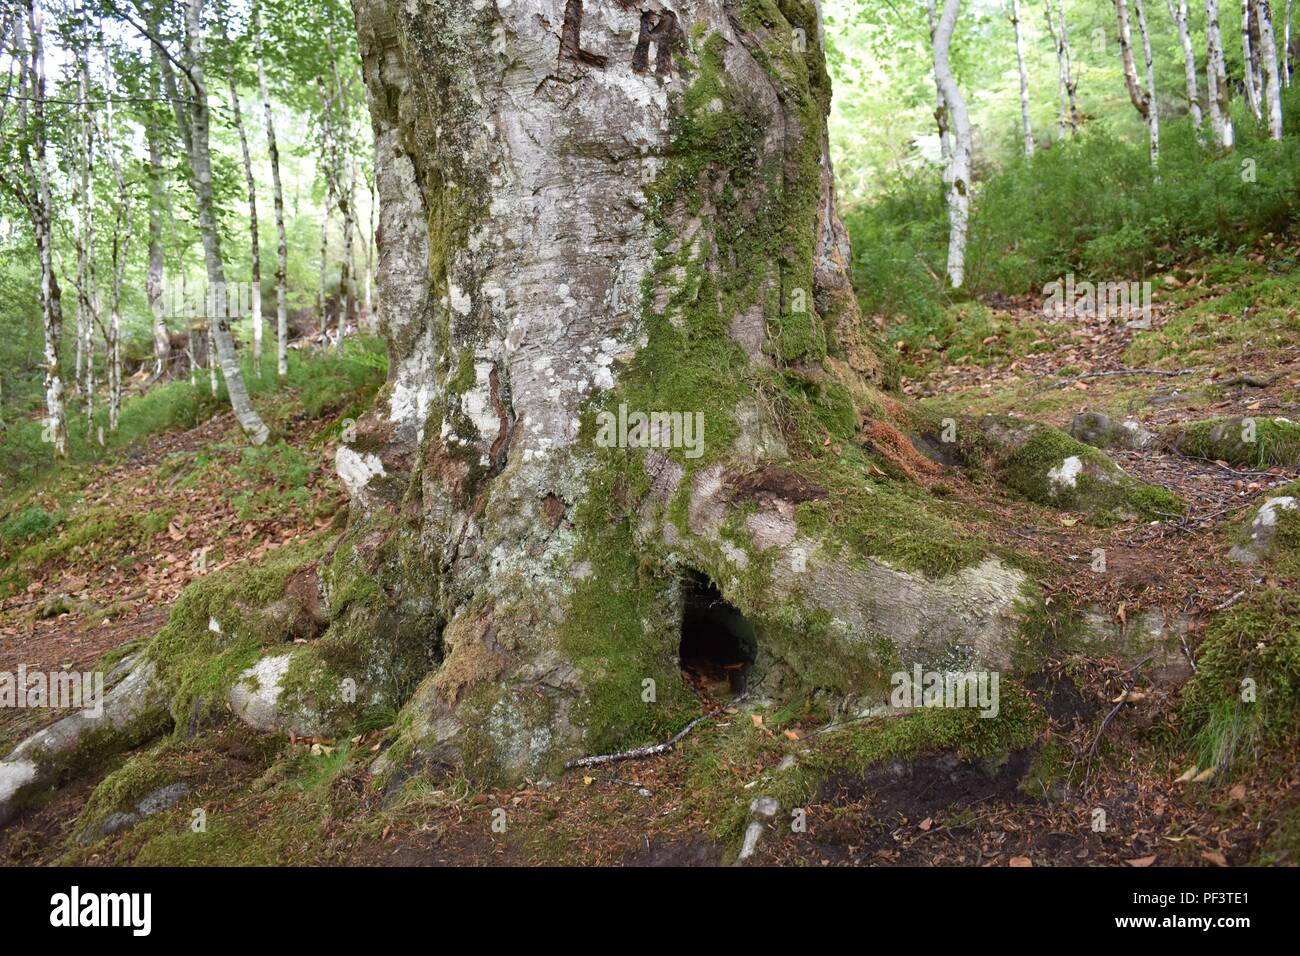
{"type": "Point", "coordinates": [1066, 474]}
{"type": "Point", "coordinates": [356, 470]}
{"type": "Point", "coordinates": [256, 695]}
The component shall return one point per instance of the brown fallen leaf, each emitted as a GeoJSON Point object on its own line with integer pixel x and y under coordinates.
{"type": "Point", "coordinates": [1141, 861]}
{"type": "Point", "coordinates": [1215, 857]}
{"type": "Point", "coordinates": [1024, 861]}
{"type": "Point", "coordinates": [926, 823]}
{"type": "Point", "coordinates": [1238, 792]}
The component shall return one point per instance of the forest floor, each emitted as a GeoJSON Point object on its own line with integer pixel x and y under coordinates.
{"type": "Point", "coordinates": [136, 530]}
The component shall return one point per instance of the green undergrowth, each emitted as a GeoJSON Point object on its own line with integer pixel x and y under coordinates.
{"type": "Point", "coordinates": [317, 385]}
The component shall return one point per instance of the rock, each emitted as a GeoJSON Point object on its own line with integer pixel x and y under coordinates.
{"type": "Point", "coordinates": [1099, 431]}
{"type": "Point", "coordinates": [1263, 531]}
{"type": "Point", "coordinates": [761, 812]}
{"type": "Point", "coordinates": [149, 805]}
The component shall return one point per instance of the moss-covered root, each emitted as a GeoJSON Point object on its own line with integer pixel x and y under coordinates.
{"type": "Point", "coordinates": [132, 712]}
{"type": "Point", "coordinates": [1246, 441]}
{"type": "Point", "coordinates": [1049, 467]}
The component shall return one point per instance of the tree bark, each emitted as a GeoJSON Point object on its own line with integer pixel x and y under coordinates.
{"type": "Point", "coordinates": [1216, 78]}
{"type": "Point", "coordinates": [958, 176]}
{"type": "Point", "coordinates": [1178, 13]}
{"type": "Point", "coordinates": [1025, 124]}
{"type": "Point", "coordinates": [282, 247]}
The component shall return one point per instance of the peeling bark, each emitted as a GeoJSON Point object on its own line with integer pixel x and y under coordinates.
{"type": "Point", "coordinates": [959, 165]}
{"type": "Point", "coordinates": [1216, 78]}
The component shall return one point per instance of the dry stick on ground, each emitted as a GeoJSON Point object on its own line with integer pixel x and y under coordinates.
{"type": "Point", "coordinates": [1125, 371]}
{"type": "Point", "coordinates": [640, 753]}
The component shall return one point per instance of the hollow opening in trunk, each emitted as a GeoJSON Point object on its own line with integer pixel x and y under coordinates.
{"type": "Point", "coordinates": [719, 645]}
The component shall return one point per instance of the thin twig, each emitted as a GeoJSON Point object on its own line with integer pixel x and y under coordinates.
{"type": "Point", "coordinates": [640, 753]}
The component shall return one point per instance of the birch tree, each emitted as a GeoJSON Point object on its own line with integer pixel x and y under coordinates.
{"type": "Point", "coordinates": [33, 192]}
{"type": "Point", "coordinates": [277, 191]}
{"type": "Point", "coordinates": [1250, 62]}
{"type": "Point", "coordinates": [1068, 112]}
{"type": "Point", "coordinates": [1267, 56]}
{"type": "Point", "coordinates": [154, 275]}
{"type": "Point", "coordinates": [959, 164]}
{"type": "Point", "coordinates": [193, 120]}
{"type": "Point", "coordinates": [940, 109]}
{"type": "Point", "coordinates": [1144, 100]}
{"type": "Point", "coordinates": [1216, 79]}
{"type": "Point", "coordinates": [255, 246]}
{"type": "Point", "coordinates": [1179, 14]}
{"type": "Point", "coordinates": [1026, 126]}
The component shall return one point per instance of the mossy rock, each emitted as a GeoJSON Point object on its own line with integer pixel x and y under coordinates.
{"type": "Point", "coordinates": [1242, 441]}
{"type": "Point", "coordinates": [1050, 468]}
{"type": "Point", "coordinates": [1272, 533]}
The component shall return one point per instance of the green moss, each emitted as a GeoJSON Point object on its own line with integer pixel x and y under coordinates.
{"type": "Point", "coordinates": [1251, 442]}
{"type": "Point", "coordinates": [198, 663]}
{"type": "Point", "coordinates": [1250, 651]}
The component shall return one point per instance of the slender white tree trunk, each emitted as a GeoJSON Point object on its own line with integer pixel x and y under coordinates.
{"type": "Point", "coordinates": [37, 198]}
{"type": "Point", "coordinates": [1026, 126]}
{"type": "Point", "coordinates": [282, 247]}
{"type": "Point", "coordinates": [959, 186]}
{"type": "Point", "coordinates": [1179, 14]}
{"type": "Point", "coordinates": [255, 244]}
{"type": "Point", "coordinates": [940, 109]}
{"type": "Point", "coordinates": [121, 245]}
{"type": "Point", "coordinates": [1144, 100]}
{"type": "Point", "coordinates": [1267, 56]}
{"type": "Point", "coordinates": [157, 263]}
{"type": "Point", "coordinates": [1250, 65]}
{"type": "Point", "coordinates": [1216, 78]}
{"type": "Point", "coordinates": [195, 125]}
{"type": "Point", "coordinates": [1286, 47]}
{"type": "Point", "coordinates": [1153, 112]}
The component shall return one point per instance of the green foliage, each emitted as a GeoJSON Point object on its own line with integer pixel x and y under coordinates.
{"type": "Point", "coordinates": [25, 525]}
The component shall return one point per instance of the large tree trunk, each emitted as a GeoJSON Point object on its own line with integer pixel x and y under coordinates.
{"type": "Point", "coordinates": [1216, 78]}
{"type": "Point", "coordinates": [1026, 126]}
{"type": "Point", "coordinates": [957, 176]}
{"type": "Point", "coordinates": [583, 206]}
